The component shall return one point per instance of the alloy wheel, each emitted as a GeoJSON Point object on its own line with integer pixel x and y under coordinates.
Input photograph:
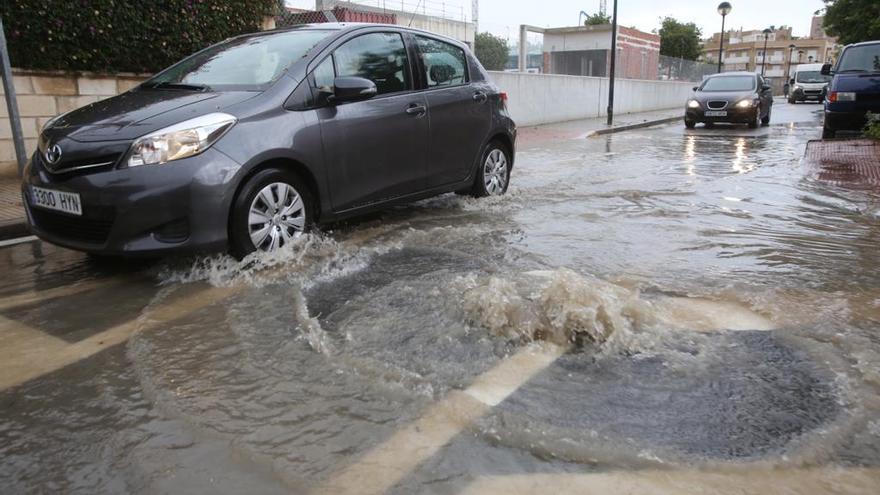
{"type": "Point", "coordinates": [277, 215]}
{"type": "Point", "coordinates": [495, 172]}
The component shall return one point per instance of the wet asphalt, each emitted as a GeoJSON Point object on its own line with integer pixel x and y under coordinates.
{"type": "Point", "coordinates": [707, 300]}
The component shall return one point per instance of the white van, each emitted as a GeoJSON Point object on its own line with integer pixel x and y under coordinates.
{"type": "Point", "coordinates": [808, 83]}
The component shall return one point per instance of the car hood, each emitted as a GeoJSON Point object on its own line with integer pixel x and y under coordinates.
{"type": "Point", "coordinates": [858, 82]}
{"type": "Point", "coordinates": [134, 113]}
{"type": "Point", "coordinates": [730, 96]}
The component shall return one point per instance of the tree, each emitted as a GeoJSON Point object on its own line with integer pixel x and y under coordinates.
{"type": "Point", "coordinates": [597, 19]}
{"type": "Point", "coordinates": [852, 21]}
{"type": "Point", "coordinates": [491, 51]}
{"type": "Point", "coordinates": [680, 40]}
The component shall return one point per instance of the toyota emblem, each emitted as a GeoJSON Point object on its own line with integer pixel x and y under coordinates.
{"type": "Point", "coordinates": [53, 154]}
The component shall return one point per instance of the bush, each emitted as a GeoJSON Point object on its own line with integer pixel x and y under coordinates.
{"type": "Point", "coordinates": [121, 35]}
{"type": "Point", "coordinates": [491, 51]}
{"type": "Point", "coordinates": [872, 128]}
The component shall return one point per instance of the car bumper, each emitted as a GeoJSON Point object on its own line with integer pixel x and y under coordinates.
{"type": "Point", "coordinates": [808, 95]}
{"type": "Point", "coordinates": [734, 115]}
{"type": "Point", "coordinates": [845, 121]}
{"type": "Point", "coordinates": [150, 210]}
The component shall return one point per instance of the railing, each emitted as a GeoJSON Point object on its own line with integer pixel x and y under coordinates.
{"type": "Point", "coordinates": [452, 9]}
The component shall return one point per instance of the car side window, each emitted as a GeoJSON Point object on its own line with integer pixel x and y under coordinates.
{"type": "Point", "coordinates": [444, 64]}
{"type": "Point", "coordinates": [323, 76]}
{"type": "Point", "coordinates": [379, 57]}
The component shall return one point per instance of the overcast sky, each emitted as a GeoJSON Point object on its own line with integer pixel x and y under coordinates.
{"type": "Point", "coordinates": [504, 16]}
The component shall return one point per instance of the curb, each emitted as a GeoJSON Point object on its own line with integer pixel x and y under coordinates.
{"type": "Point", "coordinates": [13, 230]}
{"type": "Point", "coordinates": [627, 127]}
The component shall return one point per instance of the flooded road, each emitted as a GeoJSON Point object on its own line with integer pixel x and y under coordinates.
{"type": "Point", "coordinates": [658, 311]}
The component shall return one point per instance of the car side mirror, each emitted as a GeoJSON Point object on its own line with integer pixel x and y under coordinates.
{"type": "Point", "coordinates": [791, 81]}
{"type": "Point", "coordinates": [826, 70]}
{"type": "Point", "coordinates": [696, 88]}
{"type": "Point", "coordinates": [347, 89]}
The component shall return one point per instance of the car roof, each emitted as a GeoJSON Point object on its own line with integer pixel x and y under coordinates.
{"type": "Point", "coordinates": [352, 26]}
{"type": "Point", "coordinates": [737, 73]}
{"type": "Point", "coordinates": [865, 43]}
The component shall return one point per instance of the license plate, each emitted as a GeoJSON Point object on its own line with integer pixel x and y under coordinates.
{"type": "Point", "coordinates": [55, 200]}
{"type": "Point", "coordinates": [716, 113]}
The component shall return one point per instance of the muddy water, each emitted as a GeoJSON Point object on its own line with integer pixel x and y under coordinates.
{"type": "Point", "coordinates": [718, 300]}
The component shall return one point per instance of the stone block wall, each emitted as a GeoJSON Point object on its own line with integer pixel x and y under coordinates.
{"type": "Point", "coordinates": [43, 94]}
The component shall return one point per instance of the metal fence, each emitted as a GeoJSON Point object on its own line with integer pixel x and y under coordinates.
{"type": "Point", "coordinates": [679, 69]}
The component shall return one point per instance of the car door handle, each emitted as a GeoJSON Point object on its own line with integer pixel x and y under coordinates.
{"type": "Point", "coordinates": [416, 109]}
{"type": "Point", "coordinates": [480, 97]}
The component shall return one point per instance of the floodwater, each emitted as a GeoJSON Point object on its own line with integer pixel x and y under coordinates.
{"type": "Point", "coordinates": [661, 311]}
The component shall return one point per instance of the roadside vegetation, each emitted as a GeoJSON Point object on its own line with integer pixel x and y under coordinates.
{"type": "Point", "coordinates": [852, 21]}
{"type": "Point", "coordinates": [491, 50]}
{"type": "Point", "coordinates": [872, 128]}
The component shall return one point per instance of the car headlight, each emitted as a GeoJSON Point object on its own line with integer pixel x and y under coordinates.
{"type": "Point", "coordinates": [693, 104]}
{"type": "Point", "coordinates": [797, 88]}
{"type": "Point", "coordinates": [745, 103]}
{"type": "Point", "coordinates": [182, 140]}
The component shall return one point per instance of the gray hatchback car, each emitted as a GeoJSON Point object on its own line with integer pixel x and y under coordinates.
{"type": "Point", "coordinates": [246, 144]}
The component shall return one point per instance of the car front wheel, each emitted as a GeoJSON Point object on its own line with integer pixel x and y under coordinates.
{"type": "Point", "coordinates": [690, 124]}
{"type": "Point", "coordinates": [273, 208]}
{"type": "Point", "coordinates": [493, 177]}
{"type": "Point", "coordinates": [756, 121]}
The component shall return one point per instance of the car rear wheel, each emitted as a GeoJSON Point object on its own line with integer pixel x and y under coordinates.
{"type": "Point", "coordinates": [273, 208]}
{"type": "Point", "coordinates": [493, 177]}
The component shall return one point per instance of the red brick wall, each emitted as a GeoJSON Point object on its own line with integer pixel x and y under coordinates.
{"type": "Point", "coordinates": [638, 54]}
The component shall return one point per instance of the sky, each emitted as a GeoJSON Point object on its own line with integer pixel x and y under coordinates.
{"type": "Point", "coordinates": [503, 17]}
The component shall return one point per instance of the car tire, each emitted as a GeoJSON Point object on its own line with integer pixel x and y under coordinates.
{"type": "Point", "coordinates": [278, 190]}
{"type": "Point", "coordinates": [828, 133]}
{"type": "Point", "coordinates": [757, 120]}
{"type": "Point", "coordinates": [493, 171]}
{"type": "Point", "coordinates": [709, 125]}
{"type": "Point", "coordinates": [765, 121]}
{"type": "Point", "coordinates": [690, 124]}
{"type": "Point", "coordinates": [792, 101]}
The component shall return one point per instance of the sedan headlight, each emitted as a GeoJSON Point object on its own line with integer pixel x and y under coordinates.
{"type": "Point", "coordinates": [745, 103]}
{"type": "Point", "coordinates": [796, 88]}
{"type": "Point", "coordinates": [693, 104]}
{"type": "Point", "coordinates": [182, 140]}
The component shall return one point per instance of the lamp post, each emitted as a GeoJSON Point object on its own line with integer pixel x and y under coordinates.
{"type": "Point", "coordinates": [810, 59]}
{"type": "Point", "coordinates": [724, 8]}
{"type": "Point", "coordinates": [764, 53]}
{"type": "Point", "coordinates": [612, 65]}
{"type": "Point", "coordinates": [800, 55]}
{"type": "Point", "coordinates": [791, 48]}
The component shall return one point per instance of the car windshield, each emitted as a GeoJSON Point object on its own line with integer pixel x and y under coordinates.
{"type": "Point", "coordinates": [811, 76]}
{"type": "Point", "coordinates": [729, 83]}
{"type": "Point", "coordinates": [864, 58]}
{"type": "Point", "coordinates": [247, 63]}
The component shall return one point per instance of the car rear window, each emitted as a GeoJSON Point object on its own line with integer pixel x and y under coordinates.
{"type": "Point", "coordinates": [860, 59]}
{"type": "Point", "coordinates": [445, 64]}
{"type": "Point", "coordinates": [729, 83]}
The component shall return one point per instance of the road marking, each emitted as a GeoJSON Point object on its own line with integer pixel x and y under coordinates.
{"type": "Point", "coordinates": [53, 356]}
{"type": "Point", "coordinates": [33, 296]}
{"type": "Point", "coordinates": [18, 240]}
{"type": "Point", "coordinates": [389, 462]}
{"type": "Point", "coordinates": [757, 481]}
{"type": "Point", "coordinates": [21, 346]}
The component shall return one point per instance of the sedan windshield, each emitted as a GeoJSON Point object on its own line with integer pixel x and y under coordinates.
{"type": "Point", "coordinates": [812, 76]}
{"type": "Point", "coordinates": [247, 63]}
{"type": "Point", "coordinates": [729, 83]}
{"type": "Point", "coordinates": [864, 58]}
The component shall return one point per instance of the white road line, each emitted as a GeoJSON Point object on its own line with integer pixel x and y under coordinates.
{"type": "Point", "coordinates": [737, 480]}
{"type": "Point", "coordinates": [18, 240]}
{"type": "Point", "coordinates": [389, 462]}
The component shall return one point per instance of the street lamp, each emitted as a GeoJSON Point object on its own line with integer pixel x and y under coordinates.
{"type": "Point", "coordinates": [800, 55]}
{"type": "Point", "coordinates": [791, 48]}
{"type": "Point", "coordinates": [810, 59]}
{"type": "Point", "coordinates": [724, 8]}
{"type": "Point", "coordinates": [764, 56]}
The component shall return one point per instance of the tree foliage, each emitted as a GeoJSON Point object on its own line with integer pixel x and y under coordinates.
{"type": "Point", "coordinates": [597, 19]}
{"type": "Point", "coordinates": [121, 35]}
{"type": "Point", "coordinates": [680, 40]}
{"type": "Point", "coordinates": [852, 21]}
{"type": "Point", "coordinates": [491, 50]}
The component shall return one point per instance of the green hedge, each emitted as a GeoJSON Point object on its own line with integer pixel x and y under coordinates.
{"type": "Point", "coordinates": [121, 35]}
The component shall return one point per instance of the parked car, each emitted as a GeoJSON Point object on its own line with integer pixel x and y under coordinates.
{"type": "Point", "coordinates": [808, 83]}
{"type": "Point", "coordinates": [854, 89]}
{"type": "Point", "coordinates": [734, 97]}
{"type": "Point", "coordinates": [248, 143]}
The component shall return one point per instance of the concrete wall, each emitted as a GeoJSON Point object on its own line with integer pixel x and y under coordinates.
{"type": "Point", "coordinates": [545, 98]}
{"type": "Point", "coordinates": [42, 95]}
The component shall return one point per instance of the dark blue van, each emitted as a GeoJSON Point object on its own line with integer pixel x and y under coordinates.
{"type": "Point", "coordinates": [855, 89]}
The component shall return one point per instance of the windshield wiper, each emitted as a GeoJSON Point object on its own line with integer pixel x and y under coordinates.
{"type": "Point", "coordinates": [178, 85]}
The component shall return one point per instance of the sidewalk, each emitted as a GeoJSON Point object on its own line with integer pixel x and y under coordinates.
{"type": "Point", "coordinates": [12, 220]}
{"type": "Point", "coordinates": [580, 129]}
